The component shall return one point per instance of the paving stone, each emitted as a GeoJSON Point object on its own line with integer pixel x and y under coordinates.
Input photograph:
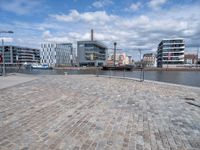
{"type": "Point", "coordinates": [87, 112]}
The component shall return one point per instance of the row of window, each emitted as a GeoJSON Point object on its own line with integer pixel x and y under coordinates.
{"type": "Point", "coordinates": [172, 41]}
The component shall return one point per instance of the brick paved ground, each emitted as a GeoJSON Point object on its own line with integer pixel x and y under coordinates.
{"type": "Point", "coordinates": [14, 79]}
{"type": "Point", "coordinates": [86, 112]}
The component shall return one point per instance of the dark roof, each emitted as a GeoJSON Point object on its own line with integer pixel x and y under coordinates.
{"type": "Point", "coordinates": [93, 42]}
{"type": "Point", "coordinates": [148, 55]}
{"type": "Point", "coordinates": [22, 47]}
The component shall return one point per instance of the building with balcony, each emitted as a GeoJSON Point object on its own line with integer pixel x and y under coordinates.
{"type": "Point", "coordinates": [20, 55]}
{"type": "Point", "coordinates": [170, 53]}
{"type": "Point", "coordinates": [55, 54]}
{"type": "Point", "coordinates": [149, 60]}
{"type": "Point", "coordinates": [91, 53]}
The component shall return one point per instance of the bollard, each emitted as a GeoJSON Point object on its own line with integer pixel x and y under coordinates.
{"type": "Point", "coordinates": [143, 75]}
{"type": "Point", "coordinates": [97, 72]}
{"type": "Point", "coordinates": [124, 73]}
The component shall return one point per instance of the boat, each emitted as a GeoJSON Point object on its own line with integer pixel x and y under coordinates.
{"type": "Point", "coordinates": [40, 66]}
{"type": "Point", "coordinates": [120, 68]}
{"type": "Point", "coordinates": [27, 65]}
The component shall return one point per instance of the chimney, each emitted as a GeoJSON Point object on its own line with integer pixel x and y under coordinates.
{"type": "Point", "coordinates": [92, 37]}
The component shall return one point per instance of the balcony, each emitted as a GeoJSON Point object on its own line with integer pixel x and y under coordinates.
{"type": "Point", "coordinates": [173, 47]}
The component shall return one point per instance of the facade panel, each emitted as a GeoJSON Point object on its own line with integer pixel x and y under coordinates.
{"type": "Point", "coordinates": [55, 54]}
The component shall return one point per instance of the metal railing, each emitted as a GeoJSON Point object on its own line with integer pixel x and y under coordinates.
{"type": "Point", "coordinates": [122, 74]}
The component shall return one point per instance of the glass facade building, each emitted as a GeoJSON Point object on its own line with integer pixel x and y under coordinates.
{"type": "Point", "coordinates": [20, 55]}
{"type": "Point", "coordinates": [91, 53]}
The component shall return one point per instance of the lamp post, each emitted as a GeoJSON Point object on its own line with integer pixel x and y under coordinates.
{"type": "Point", "coordinates": [3, 51]}
{"type": "Point", "coordinates": [197, 58]}
{"type": "Point", "coordinates": [141, 66]}
{"type": "Point", "coordinates": [115, 45]}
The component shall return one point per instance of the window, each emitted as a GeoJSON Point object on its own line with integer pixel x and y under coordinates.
{"type": "Point", "coordinates": [81, 45]}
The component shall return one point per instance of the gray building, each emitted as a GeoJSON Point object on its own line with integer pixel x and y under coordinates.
{"type": "Point", "coordinates": [91, 53]}
{"type": "Point", "coordinates": [149, 60]}
{"type": "Point", "coordinates": [55, 54]}
{"type": "Point", "coordinates": [170, 53]}
{"type": "Point", "coordinates": [20, 55]}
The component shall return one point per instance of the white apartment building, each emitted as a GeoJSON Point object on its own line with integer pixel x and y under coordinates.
{"type": "Point", "coordinates": [170, 53]}
{"type": "Point", "coordinates": [55, 54]}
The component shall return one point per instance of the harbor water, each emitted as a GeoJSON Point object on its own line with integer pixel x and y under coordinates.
{"type": "Point", "coordinates": [190, 78]}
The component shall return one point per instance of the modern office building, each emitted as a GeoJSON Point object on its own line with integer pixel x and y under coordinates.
{"type": "Point", "coordinates": [20, 55]}
{"type": "Point", "coordinates": [170, 53]}
{"type": "Point", "coordinates": [55, 54]}
{"type": "Point", "coordinates": [149, 60]}
{"type": "Point", "coordinates": [91, 53]}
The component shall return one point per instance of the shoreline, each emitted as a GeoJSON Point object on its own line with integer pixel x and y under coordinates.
{"type": "Point", "coordinates": [101, 68]}
{"type": "Point", "coordinates": [134, 69]}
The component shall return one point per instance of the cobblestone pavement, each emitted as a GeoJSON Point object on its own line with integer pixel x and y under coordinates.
{"type": "Point", "coordinates": [88, 112]}
{"type": "Point", "coordinates": [14, 79]}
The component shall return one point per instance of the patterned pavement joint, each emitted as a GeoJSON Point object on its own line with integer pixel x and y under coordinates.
{"type": "Point", "coordinates": [88, 112]}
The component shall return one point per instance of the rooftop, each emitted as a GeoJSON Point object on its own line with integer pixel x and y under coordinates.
{"type": "Point", "coordinates": [94, 42]}
{"type": "Point", "coordinates": [17, 46]}
{"type": "Point", "coordinates": [168, 39]}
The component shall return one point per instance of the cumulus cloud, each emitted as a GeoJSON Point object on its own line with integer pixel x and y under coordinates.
{"type": "Point", "coordinates": [143, 31]}
{"type": "Point", "coordinates": [102, 3]}
{"type": "Point", "coordinates": [136, 31]}
{"type": "Point", "coordinates": [94, 17]}
{"type": "Point", "coordinates": [58, 39]}
{"type": "Point", "coordinates": [46, 34]}
{"type": "Point", "coordinates": [6, 39]}
{"type": "Point", "coordinates": [135, 6]}
{"type": "Point", "coordinates": [155, 4]}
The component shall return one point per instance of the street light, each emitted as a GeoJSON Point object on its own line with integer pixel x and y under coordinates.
{"type": "Point", "coordinates": [3, 51]}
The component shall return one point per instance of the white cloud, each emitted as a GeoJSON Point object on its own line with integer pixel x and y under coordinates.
{"type": "Point", "coordinates": [58, 39]}
{"type": "Point", "coordinates": [143, 31]}
{"type": "Point", "coordinates": [102, 3]}
{"type": "Point", "coordinates": [20, 7]}
{"type": "Point", "coordinates": [6, 39]}
{"type": "Point", "coordinates": [94, 17]}
{"type": "Point", "coordinates": [141, 21]}
{"type": "Point", "coordinates": [135, 6]}
{"type": "Point", "coordinates": [71, 17]}
{"type": "Point", "coordinates": [46, 34]}
{"type": "Point", "coordinates": [155, 4]}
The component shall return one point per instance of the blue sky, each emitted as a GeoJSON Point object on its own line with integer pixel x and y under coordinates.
{"type": "Point", "coordinates": [132, 24]}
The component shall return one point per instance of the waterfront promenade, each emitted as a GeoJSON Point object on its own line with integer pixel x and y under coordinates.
{"type": "Point", "coordinates": [86, 112]}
